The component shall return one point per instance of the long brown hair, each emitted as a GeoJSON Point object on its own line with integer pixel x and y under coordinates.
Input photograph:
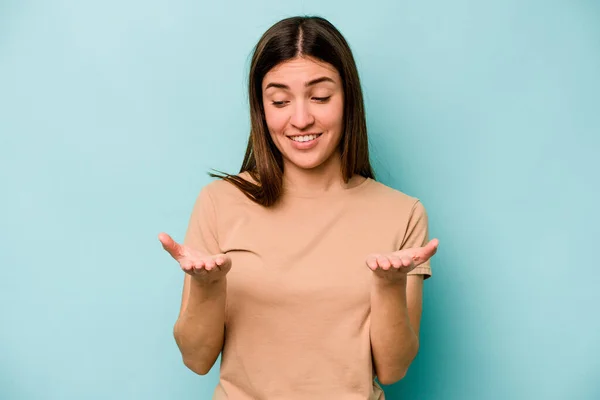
{"type": "Point", "coordinates": [289, 38]}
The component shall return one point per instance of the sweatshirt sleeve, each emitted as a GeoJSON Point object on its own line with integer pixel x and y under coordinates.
{"type": "Point", "coordinates": [417, 235]}
{"type": "Point", "coordinates": [201, 233]}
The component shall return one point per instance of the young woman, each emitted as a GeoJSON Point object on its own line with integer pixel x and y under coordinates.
{"type": "Point", "coordinates": [303, 270]}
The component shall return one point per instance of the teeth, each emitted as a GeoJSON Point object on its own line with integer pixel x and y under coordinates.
{"type": "Point", "coordinates": [304, 138]}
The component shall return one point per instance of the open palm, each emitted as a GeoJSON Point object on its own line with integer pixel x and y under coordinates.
{"type": "Point", "coordinates": [205, 268]}
{"type": "Point", "coordinates": [394, 266]}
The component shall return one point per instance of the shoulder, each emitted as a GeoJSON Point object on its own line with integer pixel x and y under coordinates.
{"type": "Point", "coordinates": [221, 191]}
{"type": "Point", "coordinates": [389, 197]}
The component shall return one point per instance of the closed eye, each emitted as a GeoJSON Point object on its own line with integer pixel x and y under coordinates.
{"type": "Point", "coordinates": [284, 103]}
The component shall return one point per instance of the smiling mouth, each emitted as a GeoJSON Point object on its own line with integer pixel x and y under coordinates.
{"type": "Point", "coordinates": [304, 138]}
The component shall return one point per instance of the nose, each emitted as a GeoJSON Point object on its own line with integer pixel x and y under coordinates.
{"type": "Point", "coordinates": [301, 117]}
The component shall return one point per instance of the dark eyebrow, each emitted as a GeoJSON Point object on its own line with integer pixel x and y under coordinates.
{"type": "Point", "coordinates": [319, 80]}
{"type": "Point", "coordinates": [309, 83]}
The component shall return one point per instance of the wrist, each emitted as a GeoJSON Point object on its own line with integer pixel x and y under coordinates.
{"type": "Point", "coordinates": [389, 293]}
{"type": "Point", "coordinates": [398, 282]}
{"type": "Point", "coordinates": [209, 289]}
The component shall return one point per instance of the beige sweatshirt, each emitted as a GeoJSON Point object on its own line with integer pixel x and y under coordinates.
{"type": "Point", "coordinates": [298, 293]}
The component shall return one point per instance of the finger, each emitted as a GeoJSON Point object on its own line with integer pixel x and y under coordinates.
{"type": "Point", "coordinates": [396, 261]}
{"type": "Point", "coordinates": [171, 246]}
{"type": "Point", "coordinates": [199, 267]}
{"type": "Point", "coordinates": [372, 261]}
{"type": "Point", "coordinates": [384, 262]}
{"type": "Point", "coordinates": [209, 264]}
{"type": "Point", "coordinates": [187, 266]}
{"type": "Point", "coordinates": [222, 259]}
{"type": "Point", "coordinates": [406, 261]}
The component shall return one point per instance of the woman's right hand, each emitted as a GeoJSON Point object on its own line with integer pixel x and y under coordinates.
{"type": "Point", "coordinates": [203, 268]}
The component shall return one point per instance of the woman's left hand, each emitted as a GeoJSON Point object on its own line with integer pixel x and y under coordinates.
{"type": "Point", "coordinates": [394, 266]}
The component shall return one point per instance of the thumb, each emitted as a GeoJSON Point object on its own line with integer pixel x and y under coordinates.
{"type": "Point", "coordinates": [171, 246]}
{"type": "Point", "coordinates": [424, 253]}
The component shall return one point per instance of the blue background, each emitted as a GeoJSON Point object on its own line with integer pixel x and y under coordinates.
{"type": "Point", "coordinates": [111, 112]}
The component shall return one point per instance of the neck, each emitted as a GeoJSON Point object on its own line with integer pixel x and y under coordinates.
{"type": "Point", "coordinates": [325, 178]}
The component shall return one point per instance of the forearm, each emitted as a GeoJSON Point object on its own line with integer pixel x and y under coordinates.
{"type": "Point", "coordinates": [200, 328]}
{"type": "Point", "coordinates": [393, 340]}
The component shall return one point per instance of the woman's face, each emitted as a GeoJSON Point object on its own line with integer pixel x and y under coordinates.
{"type": "Point", "coordinates": [304, 105]}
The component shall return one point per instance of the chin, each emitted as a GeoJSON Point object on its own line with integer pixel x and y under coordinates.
{"type": "Point", "coordinates": [306, 165]}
